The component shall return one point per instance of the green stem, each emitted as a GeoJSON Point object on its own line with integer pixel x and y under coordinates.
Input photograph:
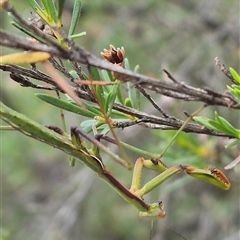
{"type": "Point", "coordinates": [180, 129]}
{"type": "Point", "coordinates": [130, 147]}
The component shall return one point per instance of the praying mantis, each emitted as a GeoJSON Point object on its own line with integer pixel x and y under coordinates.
{"type": "Point", "coordinates": [75, 146]}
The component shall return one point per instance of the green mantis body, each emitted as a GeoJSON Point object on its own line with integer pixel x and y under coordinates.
{"type": "Point", "coordinates": [76, 147]}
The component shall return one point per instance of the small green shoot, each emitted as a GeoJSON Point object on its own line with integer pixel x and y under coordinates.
{"type": "Point", "coordinates": [75, 16]}
{"type": "Point", "coordinates": [220, 124]}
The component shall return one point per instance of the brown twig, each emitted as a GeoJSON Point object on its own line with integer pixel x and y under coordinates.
{"type": "Point", "coordinates": [76, 54]}
{"type": "Point", "coordinates": [172, 89]}
{"type": "Point", "coordinates": [224, 70]}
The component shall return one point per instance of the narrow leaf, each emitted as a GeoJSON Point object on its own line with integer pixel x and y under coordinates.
{"type": "Point", "coordinates": [128, 102]}
{"type": "Point", "coordinates": [78, 35]}
{"type": "Point", "coordinates": [231, 144]}
{"type": "Point", "coordinates": [75, 16]}
{"type": "Point", "coordinates": [24, 57]}
{"type": "Point", "coordinates": [94, 109]}
{"type": "Point", "coordinates": [100, 95]}
{"type": "Point", "coordinates": [19, 27]}
{"type": "Point", "coordinates": [229, 127]}
{"type": "Point", "coordinates": [60, 5]}
{"type": "Point", "coordinates": [65, 105]}
{"type": "Point", "coordinates": [46, 6]}
{"type": "Point", "coordinates": [204, 122]}
{"type": "Point", "coordinates": [94, 74]}
{"type": "Point", "coordinates": [234, 75]}
{"type": "Point", "coordinates": [221, 128]}
{"type": "Point", "coordinates": [112, 99]}
{"type": "Point", "coordinates": [234, 91]}
{"type": "Point", "coordinates": [129, 84]}
{"type": "Point", "coordinates": [33, 4]}
{"type": "Point", "coordinates": [137, 102]}
{"type": "Point", "coordinates": [107, 101]}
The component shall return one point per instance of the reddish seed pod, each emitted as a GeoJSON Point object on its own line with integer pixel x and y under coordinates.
{"type": "Point", "coordinates": [114, 55]}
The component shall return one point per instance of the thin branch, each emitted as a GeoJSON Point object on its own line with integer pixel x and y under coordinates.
{"type": "Point", "coordinates": [15, 42]}
{"type": "Point", "coordinates": [224, 70]}
{"type": "Point", "coordinates": [144, 119]}
{"type": "Point", "coordinates": [175, 90]}
{"type": "Point", "coordinates": [61, 69]}
{"type": "Point", "coordinates": [24, 82]}
{"type": "Point", "coordinates": [147, 95]}
{"type": "Point", "coordinates": [170, 122]}
{"type": "Point", "coordinates": [33, 73]}
{"type": "Point", "coordinates": [76, 54]}
{"type": "Point", "coordinates": [29, 26]}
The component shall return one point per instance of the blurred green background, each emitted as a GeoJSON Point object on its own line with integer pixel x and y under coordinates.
{"type": "Point", "coordinates": [44, 198]}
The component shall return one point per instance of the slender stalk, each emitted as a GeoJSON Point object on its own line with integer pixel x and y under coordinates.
{"type": "Point", "coordinates": [180, 129]}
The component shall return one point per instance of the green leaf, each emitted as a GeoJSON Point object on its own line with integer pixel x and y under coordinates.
{"type": "Point", "coordinates": [94, 74]}
{"type": "Point", "coordinates": [115, 113]}
{"type": "Point", "coordinates": [234, 74]}
{"type": "Point", "coordinates": [60, 5]}
{"type": "Point", "coordinates": [94, 109]}
{"type": "Point", "coordinates": [220, 124]}
{"type": "Point", "coordinates": [235, 91]}
{"type": "Point", "coordinates": [78, 35]}
{"type": "Point", "coordinates": [34, 4]}
{"type": "Point", "coordinates": [107, 76]}
{"type": "Point", "coordinates": [137, 102]}
{"type": "Point", "coordinates": [75, 16]}
{"type": "Point", "coordinates": [113, 96]}
{"type": "Point", "coordinates": [19, 27]}
{"type": "Point", "coordinates": [217, 126]}
{"type": "Point", "coordinates": [137, 69]}
{"type": "Point", "coordinates": [130, 85]}
{"type": "Point", "coordinates": [65, 105]}
{"type": "Point", "coordinates": [229, 127]}
{"type": "Point", "coordinates": [204, 122]}
{"type": "Point", "coordinates": [107, 101]}
{"type": "Point", "coordinates": [128, 102]}
{"type": "Point", "coordinates": [221, 128]}
{"type": "Point", "coordinates": [51, 9]}
{"type": "Point", "coordinates": [126, 64]}
{"type": "Point", "coordinates": [234, 86]}
{"type": "Point", "coordinates": [100, 95]}
{"type": "Point", "coordinates": [234, 143]}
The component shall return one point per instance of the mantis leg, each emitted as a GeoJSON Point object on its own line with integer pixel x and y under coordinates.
{"type": "Point", "coordinates": [210, 175]}
{"type": "Point", "coordinates": [76, 148]}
